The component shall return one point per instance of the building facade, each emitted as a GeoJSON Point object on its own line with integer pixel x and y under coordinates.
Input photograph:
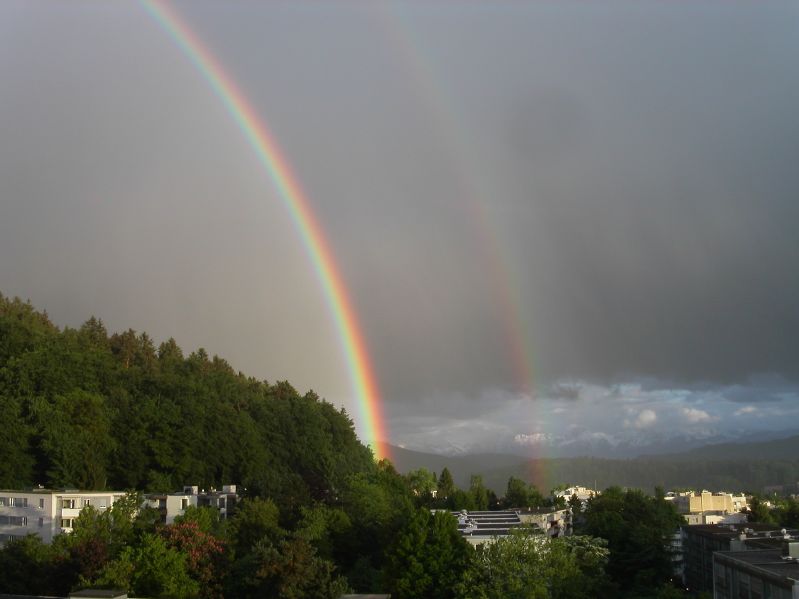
{"type": "Point", "coordinates": [172, 505]}
{"type": "Point", "coordinates": [756, 574]}
{"type": "Point", "coordinates": [709, 508]}
{"type": "Point", "coordinates": [45, 512]}
{"type": "Point", "coordinates": [700, 543]}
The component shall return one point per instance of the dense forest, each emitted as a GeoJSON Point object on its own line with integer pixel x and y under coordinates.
{"type": "Point", "coordinates": [85, 409]}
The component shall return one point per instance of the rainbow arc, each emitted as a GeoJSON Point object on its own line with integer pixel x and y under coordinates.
{"type": "Point", "coordinates": [289, 190]}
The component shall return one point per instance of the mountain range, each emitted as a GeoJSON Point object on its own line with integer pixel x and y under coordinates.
{"type": "Point", "coordinates": [735, 466]}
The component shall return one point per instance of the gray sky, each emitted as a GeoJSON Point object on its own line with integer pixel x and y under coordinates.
{"type": "Point", "coordinates": [612, 188]}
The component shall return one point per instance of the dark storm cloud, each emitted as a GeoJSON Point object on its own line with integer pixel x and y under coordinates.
{"type": "Point", "coordinates": [646, 196]}
{"type": "Point", "coordinates": [611, 189]}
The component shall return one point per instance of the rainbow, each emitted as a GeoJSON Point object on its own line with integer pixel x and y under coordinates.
{"type": "Point", "coordinates": [428, 85]}
{"type": "Point", "coordinates": [275, 163]}
{"type": "Point", "coordinates": [513, 321]}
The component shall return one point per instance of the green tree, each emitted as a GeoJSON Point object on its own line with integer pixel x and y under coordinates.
{"type": "Point", "coordinates": [428, 558]}
{"type": "Point", "coordinates": [446, 486]}
{"type": "Point", "coordinates": [16, 466]}
{"type": "Point", "coordinates": [519, 494]}
{"type": "Point", "coordinates": [788, 513]}
{"type": "Point", "coordinates": [26, 568]}
{"type": "Point", "coordinates": [255, 520]}
{"type": "Point", "coordinates": [529, 565]}
{"type": "Point", "coordinates": [758, 511]}
{"type": "Point", "coordinates": [639, 532]}
{"type": "Point", "coordinates": [422, 483]}
{"type": "Point", "coordinates": [479, 492]}
{"type": "Point", "coordinates": [150, 569]}
{"type": "Point", "coordinates": [75, 437]}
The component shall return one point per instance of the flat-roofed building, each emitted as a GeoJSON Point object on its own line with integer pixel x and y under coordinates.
{"type": "Point", "coordinates": [699, 543]}
{"type": "Point", "coordinates": [709, 508]}
{"type": "Point", "coordinates": [554, 522]}
{"type": "Point", "coordinates": [479, 527]}
{"type": "Point", "coordinates": [757, 574]}
{"type": "Point", "coordinates": [47, 512]}
{"type": "Point", "coordinates": [172, 505]}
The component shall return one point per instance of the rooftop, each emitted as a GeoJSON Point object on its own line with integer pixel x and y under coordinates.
{"type": "Point", "coordinates": [752, 530]}
{"type": "Point", "coordinates": [770, 561]}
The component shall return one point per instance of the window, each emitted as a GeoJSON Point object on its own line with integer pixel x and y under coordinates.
{"type": "Point", "coordinates": [4, 537]}
{"type": "Point", "coordinates": [41, 504]}
{"type": "Point", "coordinates": [68, 504]}
{"type": "Point", "coordinates": [184, 503]}
{"type": "Point", "coordinates": [66, 522]}
{"type": "Point", "coordinates": [3, 501]}
{"type": "Point", "coordinates": [222, 502]}
{"type": "Point", "coordinates": [14, 520]}
{"type": "Point", "coordinates": [19, 502]}
{"type": "Point", "coordinates": [41, 522]}
{"type": "Point", "coordinates": [87, 502]}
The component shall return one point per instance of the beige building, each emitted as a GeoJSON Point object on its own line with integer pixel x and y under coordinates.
{"type": "Point", "coordinates": [709, 508]}
{"type": "Point", "coordinates": [46, 512]}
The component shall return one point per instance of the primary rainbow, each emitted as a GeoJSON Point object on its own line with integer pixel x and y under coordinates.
{"type": "Point", "coordinates": [291, 194]}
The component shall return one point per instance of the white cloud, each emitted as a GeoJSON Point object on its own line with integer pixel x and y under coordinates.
{"type": "Point", "coordinates": [532, 439]}
{"type": "Point", "coordinates": [645, 419]}
{"type": "Point", "coordinates": [745, 410]}
{"type": "Point", "coordinates": [694, 415]}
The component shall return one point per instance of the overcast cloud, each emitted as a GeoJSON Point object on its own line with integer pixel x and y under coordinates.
{"type": "Point", "coordinates": [613, 187]}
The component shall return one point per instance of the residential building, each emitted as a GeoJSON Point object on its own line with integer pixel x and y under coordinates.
{"type": "Point", "coordinates": [46, 512]}
{"type": "Point", "coordinates": [480, 527]}
{"type": "Point", "coordinates": [554, 522]}
{"type": "Point", "coordinates": [173, 505]}
{"type": "Point", "coordinates": [582, 493]}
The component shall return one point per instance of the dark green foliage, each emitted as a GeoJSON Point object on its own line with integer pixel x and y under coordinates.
{"type": "Point", "coordinates": [446, 486]}
{"type": "Point", "coordinates": [639, 531]}
{"type": "Point", "coordinates": [290, 569]}
{"type": "Point", "coordinates": [788, 513]}
{"type": "Point", "coordinates": [528, 565]}
{"type": "Point", "coordinates": [377, 506]}
{"type": "Point", "coordinates": [427, 558]}
{"type": "Point", "coordinates": [255, 520]}
{"type": "Point", "coordinates": [82, 409]}
{"type": "Point", "coordinates": [519, 494]}
{"type": "Point", "coordinates": [760, 512]}
{"type": "Point", "coordinates": [17, 463]}
{"type": "Point", "coordinates": [27, 567]}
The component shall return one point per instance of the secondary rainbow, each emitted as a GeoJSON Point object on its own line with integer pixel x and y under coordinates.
{"type": "Point", "coordinates": [288, 188]}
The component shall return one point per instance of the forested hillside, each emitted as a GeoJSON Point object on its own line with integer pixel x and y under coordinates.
{"type": "Point", "coordinates": [84, 409]}
{"type": "Point", "coordinates": [747, 467]}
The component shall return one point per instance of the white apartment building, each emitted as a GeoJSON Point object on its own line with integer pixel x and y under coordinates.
{"type": "Point", "coordinates": [173, 505]}
{"type": "Point", "coordinates": [582, 493]}
{"type": "Point", "coordinates": [46, 512]}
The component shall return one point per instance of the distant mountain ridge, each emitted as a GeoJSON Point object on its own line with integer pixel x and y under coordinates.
{"type": "Point", "coordinates": [723, 466]}
{"type": "Point", "coordinates": [777, 449]}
